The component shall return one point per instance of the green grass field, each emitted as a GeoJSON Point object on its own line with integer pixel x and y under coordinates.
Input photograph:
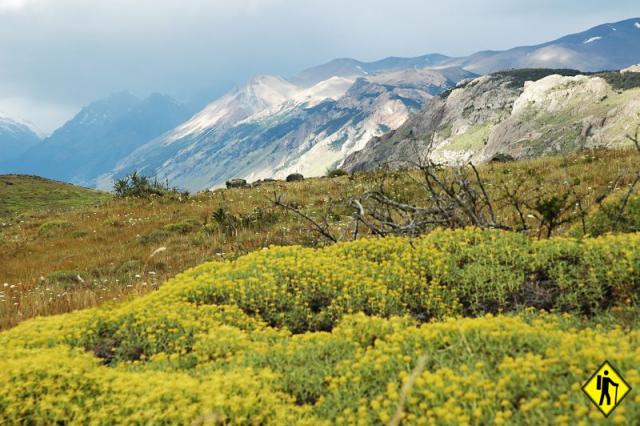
{"type": "Point", "coordinates": [21, 194]}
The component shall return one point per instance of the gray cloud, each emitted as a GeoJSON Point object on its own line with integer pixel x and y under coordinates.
{"type": "Point", "coordinates": [57, 55]}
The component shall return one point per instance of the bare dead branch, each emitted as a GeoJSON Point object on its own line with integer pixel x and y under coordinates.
{"type": "Point", "coordinates": [321, 229]}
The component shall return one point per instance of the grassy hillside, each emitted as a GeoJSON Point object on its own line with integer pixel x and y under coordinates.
{"type": "Point", "coordinates": [21, 194]}
{"type": "Point", "coordinates": [354, 333]}
{"type": "Point", "coordinates": [58, 261]}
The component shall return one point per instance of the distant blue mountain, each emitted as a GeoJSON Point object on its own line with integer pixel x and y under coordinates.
{"type": "Point", "coordinates": [15, 139]}
{"type": "Point", "coordinates": [610, 46]}
{"type": "Point", "coordinates": [98, 136]}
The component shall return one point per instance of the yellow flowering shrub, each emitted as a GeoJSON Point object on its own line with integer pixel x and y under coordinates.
{"type": "Point", "coordinates": [482, 371]}
{"type": "Point", "coordinates": [291, 335]}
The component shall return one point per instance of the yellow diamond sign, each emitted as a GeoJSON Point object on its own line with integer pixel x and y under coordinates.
{"type": "Point", "coordinates": [606, 388]}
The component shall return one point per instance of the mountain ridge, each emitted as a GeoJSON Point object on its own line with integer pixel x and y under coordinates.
{"type": "Point", "coordinates": [349, 67]}
{"type": "Point", "coordinates": [508, 115]}
{"type": "Point", "coordinates": [599, 48]}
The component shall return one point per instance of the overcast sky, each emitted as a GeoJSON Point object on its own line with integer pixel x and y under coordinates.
{"type": "Point", "coordinates": [58, 55]}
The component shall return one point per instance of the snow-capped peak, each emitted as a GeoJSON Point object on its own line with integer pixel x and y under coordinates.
{"type": "Point", "coordinates": [12, 125]}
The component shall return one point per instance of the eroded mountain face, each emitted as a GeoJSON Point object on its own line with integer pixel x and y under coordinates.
{"type": "Point", "coordinates": [504, 114]}
{"type": "Point", "coordinates": [271, 128]}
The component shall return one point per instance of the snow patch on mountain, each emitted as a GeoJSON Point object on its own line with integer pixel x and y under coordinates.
{"type": "Point", "coordinates": [9, 126]}
{"type": "Point", "coordinates": [16, 138]}
{"type": "Point", "coordinates": [14, 125]}
{"type": "Point", "coordinates": [592, 39]}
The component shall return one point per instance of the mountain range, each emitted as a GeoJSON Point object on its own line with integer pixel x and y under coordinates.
{"type": "Point", "coordinates": [340, 114]}
{"type": "Point", "coordinates": [272, 127]}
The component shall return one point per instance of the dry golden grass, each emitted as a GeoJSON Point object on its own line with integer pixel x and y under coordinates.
{"type": "Point", "coordinates": [120, 249]}
{"type": "Point", "coordinates": [54, 262]}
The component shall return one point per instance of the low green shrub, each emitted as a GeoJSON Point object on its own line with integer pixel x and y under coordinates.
{"type": "Point", "coordinates": [65, 280]}
{"type": "Point", "coordinates": [445, 273]}
{"type": "Point", "coordinates": [53, 227]}
{"type": "Point", "coordinates": [337, 173]}
{"type": "Point", "coordinates": [184, 227]}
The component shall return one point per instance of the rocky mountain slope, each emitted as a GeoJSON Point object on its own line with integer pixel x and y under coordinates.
{"type": "Point", "coordinates": [273, 127]}
{"type": "Point", "coordinates": [15, 139]}
{"type": "Point", "coordinates": [523, 113]}
{"type": "Point", "coordinates": [102, 133]}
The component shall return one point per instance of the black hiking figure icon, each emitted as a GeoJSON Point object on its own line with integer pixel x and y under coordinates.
{"type": "Point", "coordinates": [602, 385]}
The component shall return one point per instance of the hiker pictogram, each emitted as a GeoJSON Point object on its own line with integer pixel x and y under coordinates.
{"type": "Point", "coordinates": [606, 388]}
{"type": "Point", "coordinates": [602, 385]}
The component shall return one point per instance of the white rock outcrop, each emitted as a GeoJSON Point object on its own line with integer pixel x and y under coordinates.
{"type": "Point", "coordinates": [633, 68]}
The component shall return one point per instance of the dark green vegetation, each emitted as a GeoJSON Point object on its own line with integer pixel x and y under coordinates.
{"type": "Point", "coordinates": [520, 76]}
{"type": "Point", "coordinates": [140, 186]}
{"type": "Point", "coordinates": [517, 77]}
{"type": "Point", "coordinates": [622, 81]}
{"type": "Point", "coordinates": [337, 173]}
